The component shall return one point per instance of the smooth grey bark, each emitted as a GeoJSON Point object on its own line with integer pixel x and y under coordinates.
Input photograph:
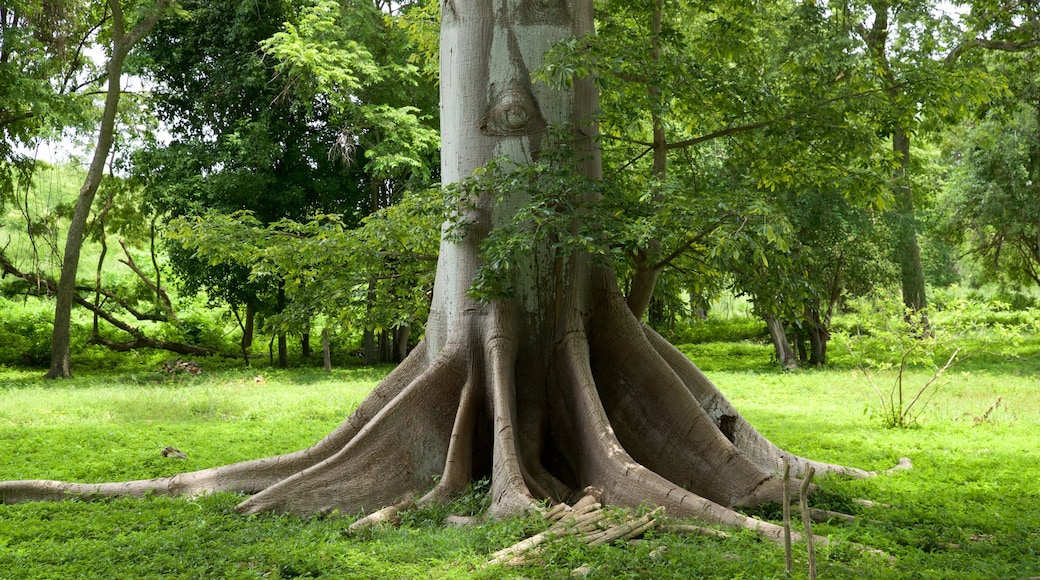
{"type": "Point", "coordinates": [122, 42]}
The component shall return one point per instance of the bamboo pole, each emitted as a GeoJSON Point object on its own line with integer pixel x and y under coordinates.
{"type": "Point", "coordinates": [807, 520]}
{"type": "Point", "coordinates": [788, 557]}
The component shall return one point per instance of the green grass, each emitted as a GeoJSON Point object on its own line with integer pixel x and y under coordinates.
{"type": "Point", "coordinates": [970, 508]}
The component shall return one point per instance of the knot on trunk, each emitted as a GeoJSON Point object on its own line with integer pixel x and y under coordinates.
{"type": "Point", "coordinates": [512, 112]}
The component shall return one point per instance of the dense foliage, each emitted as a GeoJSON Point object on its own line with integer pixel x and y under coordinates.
{"type": "Point", "coordinates": [757, 150]}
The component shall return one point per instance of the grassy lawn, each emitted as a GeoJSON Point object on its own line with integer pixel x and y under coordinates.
{"type": "Point", "coordinates": [970, 508]}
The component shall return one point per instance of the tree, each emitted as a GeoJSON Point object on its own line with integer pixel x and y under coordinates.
{"type": "Point", "coordinates": [41, 60]}
{"type": "Point", "coordinates": [353, 54]}
{"type": "Point", "coordinates": [706, 189]}
{"type": "Point", "coordinates": [122, 40]}
{"type": "Point", "coordinates": [554, 388]}
{"type": "Point", "coordinates": [837, 251]}
{"type": "Point", "coordinates": [235, 144]}
{"type": "Point", "coordinates": [305, 109]}
{"type": "Point", "coordinates": [45, 85]}
{"type": "Point", "coordinates": [992, 204]}
{"type": "Point", "coordinates": [923, 58]}
{"type": "Point", "coordinates": [335, 275]}
{"type": "Point", "coordinates": [716, 189]}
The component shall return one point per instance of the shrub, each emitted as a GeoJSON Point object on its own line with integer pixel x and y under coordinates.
{"type": "Point", "coordinates": [720, 330]}
{"type": "Point", "coordinates": [25, 333]}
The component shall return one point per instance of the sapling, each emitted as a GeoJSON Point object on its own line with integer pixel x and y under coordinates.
{"type": "Point", "coordinates": [891, 341]}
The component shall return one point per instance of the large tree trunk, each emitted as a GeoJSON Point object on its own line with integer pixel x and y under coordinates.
{"type": "Point", "coordinates": [551, 393]}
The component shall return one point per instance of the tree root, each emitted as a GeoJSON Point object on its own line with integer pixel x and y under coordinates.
{"type": "Point", "coordinates": [733, 425]}
{"type": "Point", "coordinates": [608, 407]}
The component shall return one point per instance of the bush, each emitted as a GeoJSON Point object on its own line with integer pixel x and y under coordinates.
{"type": "Point", "coordinates": [25, 333]}
{"type": "Point", "coordinates": [720, 330]}
{"type": "Point", "coordinates": [730, 356]}
{"type": "Point", "coordinates": [888, 339]}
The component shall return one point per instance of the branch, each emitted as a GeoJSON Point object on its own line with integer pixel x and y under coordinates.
{"type": "Point", "coordinates": [80, 48]}
{"type": "Point", "coordinates": [632, 160]}
{"type": "Point", "coordinates": [108, 294]}
{"type": "Point", "coordinates": [15, 117]}
{"type": "Point", "coordinates": [803, 500]}
{"type": "Point", "coordinates": [701, 139]}
{"type": "Point", "coordinates": [1001, 45]}
{"type": "Point", "coordinates": [146, 342]}
{"type": "Point", "coordinates": [724, 132]}
{"type": "Point", "coordinates": [870, 379]}
{"type": "Point", "coordinates": [949, 363]}
{"type": "Point", "coordinates": [159, 292]}
{"type": "Point", "coordinates": [144, 26]}
{"type": "Point", "coordinates": [690, 242]}
{"type": "Point", "coordinates": [752, 126]}
{"type": "Point", "coordinates": [139, 341]}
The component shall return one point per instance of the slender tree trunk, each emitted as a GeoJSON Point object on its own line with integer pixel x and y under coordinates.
{"type": "Point", "coordinates": [122, 42]}
{"type": "Point", "coordinates": [283, 343]}
{"type": "Point", "coordinates": [647, 260]}
{"type": "Point", "coordinates": [785, 355]}
{"type": "Point", "coordinates": [61, 340]}
{"type": "Point", "coordinates": [386, 346]}
{"type": "Point", "coordinates": [800, 338]}
{"type": "Point", "coordinates": [96, 331]}
{"type": "Point", "coordinates": [401, 336]}
{"type": "Point", "coordinates": [369, 354]}
{"type": "Point", "coordinates": [369, 340]}
{"type": "Point", "coordinates": [326, 350]}
{"type": "Point", "coordinates": [248, 328]}
{"type": "Point", "coordinates": [907, 249]}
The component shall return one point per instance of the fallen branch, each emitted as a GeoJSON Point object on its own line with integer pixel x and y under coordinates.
{"type": "Point", "coordinates": [689, 530]}
{"type": "Point", "coordinates": [870, 504]}
{"type": "Point", "coordinates": [627, 530]}
{"type": "Point", "coordinates": [820, 516]}
{"type": "Point", "coordinates": [390, 514]}
{"type": "Point", "coordinates": [46, 286]}
{"type": "Point", "coordinates": [587, 522]}
{"type": "Point", "coordinates": [160, 293]}
{"type": "Point", "coordinates": [985, 416]}
{"type": "Point", "coordinates": [904, 464]}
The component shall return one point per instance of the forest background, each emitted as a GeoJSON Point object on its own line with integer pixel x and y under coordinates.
{"type": "Point", "coordinates": [283, 178]}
